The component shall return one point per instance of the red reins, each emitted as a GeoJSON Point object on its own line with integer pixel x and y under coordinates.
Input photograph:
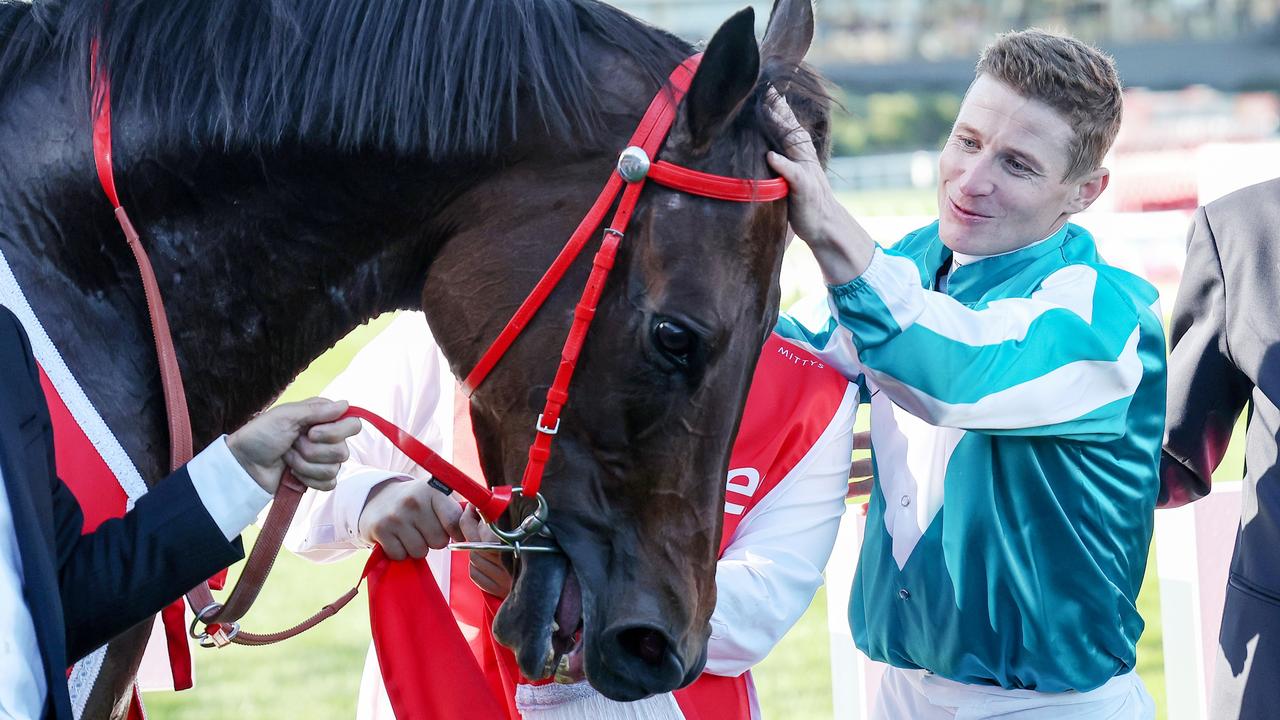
{"type": "Point", "coordinates": [634, 168]}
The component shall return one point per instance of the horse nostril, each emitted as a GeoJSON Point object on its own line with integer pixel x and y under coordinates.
{"type": "Point", "coordinates": [645, 643]}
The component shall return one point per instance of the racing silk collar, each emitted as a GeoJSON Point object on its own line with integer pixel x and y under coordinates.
{"type": "Point", "coordinates": [974, 276]}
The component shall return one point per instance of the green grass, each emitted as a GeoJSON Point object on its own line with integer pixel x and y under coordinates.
{"type": "Point", "coordinates": [315, 675]}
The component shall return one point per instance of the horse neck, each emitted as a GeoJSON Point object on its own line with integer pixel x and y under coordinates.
{"type": "Point", "coordinates": [264, 278]}
{"type": "Point", "coordinates": [263, 261]}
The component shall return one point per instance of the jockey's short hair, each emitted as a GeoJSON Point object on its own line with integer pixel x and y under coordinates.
{"type": "Point", "coordinates": [1080, 82]}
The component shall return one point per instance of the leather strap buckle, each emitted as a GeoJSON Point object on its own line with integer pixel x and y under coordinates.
{"type": "Point", "coordinates": [542, 428]}
{"type": "Point", "coordinates": [223, 633]}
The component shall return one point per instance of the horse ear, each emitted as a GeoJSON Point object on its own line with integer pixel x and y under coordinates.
{"type": "Point", "coordinates": [728, 73]}
{"type": "Point", "coordinates": [789, 35]}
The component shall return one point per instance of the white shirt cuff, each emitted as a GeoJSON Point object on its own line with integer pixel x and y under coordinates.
{"type": "Point", "coordinates": [232, 498]}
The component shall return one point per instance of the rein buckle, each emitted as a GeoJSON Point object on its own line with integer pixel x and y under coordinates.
{"type": "Point", "coordinates": [221, 637]}
{"type": "Point", "coordinates": [542, 428]}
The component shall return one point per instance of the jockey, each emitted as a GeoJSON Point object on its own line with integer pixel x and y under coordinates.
{"type": "Point", "coordinates": [786, 493]}
{"type": "Point", "coordinates": [1017, 389]}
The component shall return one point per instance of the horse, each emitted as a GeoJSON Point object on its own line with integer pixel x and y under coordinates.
{"type": "Point", "coordinates": [296, 169]}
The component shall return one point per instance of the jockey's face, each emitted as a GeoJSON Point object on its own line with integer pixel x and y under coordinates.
{"type": "Point", "coordinates": [1002, 180]}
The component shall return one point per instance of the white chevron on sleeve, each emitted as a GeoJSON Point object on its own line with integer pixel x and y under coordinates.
{"type": "Point", "coordinates": [1037, 402]}
{"type": "Point", "coordinates": [1009, 320]}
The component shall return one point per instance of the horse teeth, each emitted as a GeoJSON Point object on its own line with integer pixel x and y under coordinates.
{"type": "Point", "coordinates": [562, 671]}
{"type": "Point", "coordinates": [549, 664]}
{"type": "Point", "coordinates": [555, 627]}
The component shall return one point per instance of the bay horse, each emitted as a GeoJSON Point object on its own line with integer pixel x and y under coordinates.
{"type": "Point", "coordinates": [296, 168]}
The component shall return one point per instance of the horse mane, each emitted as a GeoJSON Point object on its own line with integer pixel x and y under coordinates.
{"type": "Point", "coordinates": [351, 74]}
{"type": "Point", "coordinates": [444, 78]}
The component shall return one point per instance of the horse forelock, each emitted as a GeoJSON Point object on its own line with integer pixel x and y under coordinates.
{"type": "Point", "coordinates": [440, 78]}
{"type": "Point", "coordinates": [808, 97]}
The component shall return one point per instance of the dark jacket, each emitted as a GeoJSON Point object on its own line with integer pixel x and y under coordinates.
{"type": "Point", "coordinates": [82, 590]}
{"type": "Point", "coordinates": [1225, 353]}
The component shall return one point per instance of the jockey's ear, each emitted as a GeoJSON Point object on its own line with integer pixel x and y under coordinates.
{"type": "Point", "coordinates": [728, 73]}
{"type": "Point", "coordinates": [790, 32]}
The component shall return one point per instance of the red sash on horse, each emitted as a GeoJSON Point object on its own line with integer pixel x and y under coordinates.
{"type": "Point", "coordinates": [91, 461]}
{"type": "Point", "coordinates": [792, 400]}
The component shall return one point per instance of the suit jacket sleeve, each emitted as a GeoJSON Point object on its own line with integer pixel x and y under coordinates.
{"type": "Point", "coordinates": [1207, 390]}
{"type": "Point", "coordinates": [128, 568]}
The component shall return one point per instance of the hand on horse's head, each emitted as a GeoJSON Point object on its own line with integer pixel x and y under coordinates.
{"type": "Point", "coordinates": [408, 516]}
{"type": "Point", "coordinates": [839, 244]}
{"type": "Point", "coordinates": [301, 435]}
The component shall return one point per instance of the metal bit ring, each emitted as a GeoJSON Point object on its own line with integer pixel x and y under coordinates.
{"type": "Point", "coordinates": [533, 524]}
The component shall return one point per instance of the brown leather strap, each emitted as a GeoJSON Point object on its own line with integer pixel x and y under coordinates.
{"type": "Point", "coordinates": [255, 639]}
{"type": "Point", "coordinates": [175, 397]}
{"type": "Point", "coordinates": [220, 620]}
{"type": "Point", "coordinates": [263, 556]}
{"type": "Point", "coordinates": [181, 446]}
{"type": "Point", "coordinates": [265, 551]}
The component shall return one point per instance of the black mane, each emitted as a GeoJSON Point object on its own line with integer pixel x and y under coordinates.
{"type": "Point", "coordinates": [352, 73]}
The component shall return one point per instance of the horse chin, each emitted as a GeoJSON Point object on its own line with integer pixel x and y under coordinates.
{"type": "Point", "coordinates": [541, 620]}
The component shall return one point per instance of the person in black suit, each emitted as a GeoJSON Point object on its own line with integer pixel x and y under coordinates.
{"type": "Point", "coordinates": [1224, 354]}
{"type": "Point", "coordinates": [63, 594]}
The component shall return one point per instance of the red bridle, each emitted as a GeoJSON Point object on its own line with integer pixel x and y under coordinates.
{"type": "Point", "coordinates": [634, 168]}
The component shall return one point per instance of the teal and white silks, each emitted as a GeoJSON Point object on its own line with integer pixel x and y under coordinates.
{"type": "Point", "coordinates": [1016, 424]}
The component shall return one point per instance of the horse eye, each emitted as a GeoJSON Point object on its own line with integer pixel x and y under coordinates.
{"type": "Point", "coordinates": [673, 339]}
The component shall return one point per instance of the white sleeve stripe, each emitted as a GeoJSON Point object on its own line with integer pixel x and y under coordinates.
{"type": "Point", "coordinates": [896, 281]}
{"type": "Point", "coordinates": [1010, 319]}
{"type": "Point", "coordinates": [1038, 402]}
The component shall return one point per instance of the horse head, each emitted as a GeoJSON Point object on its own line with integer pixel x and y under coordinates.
{"type": "Point", "coordinates": [636, 479]}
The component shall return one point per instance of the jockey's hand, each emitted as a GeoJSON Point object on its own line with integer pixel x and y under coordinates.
{"type": "Point", "coordinates": [839, 244]}
{"type": "Point", "coordinates": [301, 435]}
{"type": "Point", "coordinates": [487, 570]}
{"type": "Point", "coordinates": [861, 471]}
{"type": "Point", "coordinates": [408, 517]}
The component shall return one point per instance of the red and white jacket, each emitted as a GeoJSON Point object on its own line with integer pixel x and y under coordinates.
{"type": "Point", "coordinates": [786, 487]}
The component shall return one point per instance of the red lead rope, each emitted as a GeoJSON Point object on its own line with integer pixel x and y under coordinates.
{"type": "Point", "coordinates": [490, 502]}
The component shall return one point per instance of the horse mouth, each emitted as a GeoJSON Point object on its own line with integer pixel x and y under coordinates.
{"type": "Point", "coordinates": [566, 659]}
{"type": "Point", "coordinates": [542, 620]}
